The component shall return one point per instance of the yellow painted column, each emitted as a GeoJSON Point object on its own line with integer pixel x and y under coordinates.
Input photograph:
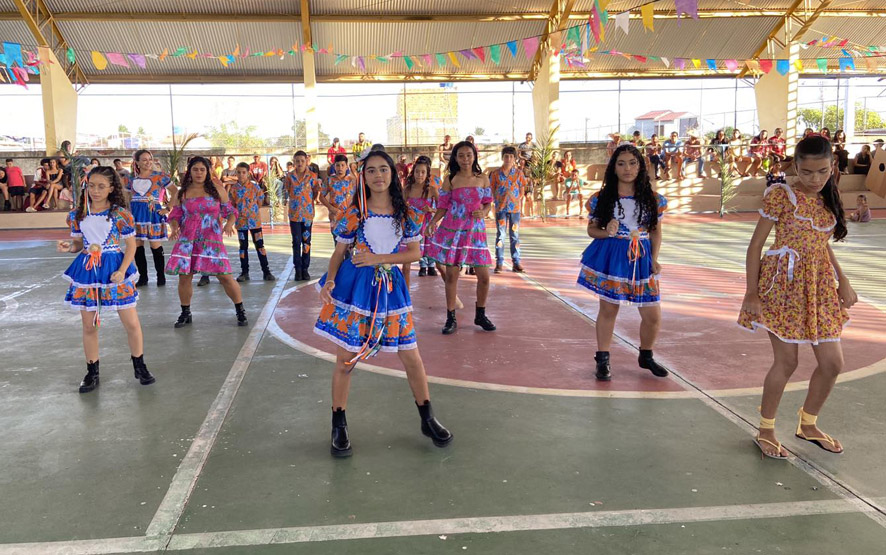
{"type": "Point", "coordinates": [776, 96]}
{"type": "Point", "coordinates": [546, 99]}
{"type": "Point", "coordinates": [312, 127]}
{"type": "Point", "coordinates": [59, 103]}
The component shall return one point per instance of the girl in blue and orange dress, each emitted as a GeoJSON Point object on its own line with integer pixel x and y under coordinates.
{"type": "Point", "coordinates": [151, 191]}
{"type": "Point", "coordinates": [102, 277]}
{"type": "Point", "coordinates": [422, 191]}
{"type": "Point", "coordinates": [621, 263]}
{"type": "Point", "coordinates": [464, 202]}
{"type": "Point", "coordinates": [195, 222]}
{"type": "Point", "coordinates": [366, 303]}
{"type": "Point", "coordinates": [798, 292]}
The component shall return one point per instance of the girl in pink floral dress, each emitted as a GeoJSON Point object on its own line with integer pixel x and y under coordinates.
{"type": "Point", "coordinates": [461, 239]}
{"type": "Point", "coordinates": [422, 191]}
{"type": "Point", "coordinates": [798, 293]}
{"type": "Point", "coordinates": [195, 225]}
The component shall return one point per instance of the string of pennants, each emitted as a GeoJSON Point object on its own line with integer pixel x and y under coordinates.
{"type": "Point", "coordinates": [577, 45]}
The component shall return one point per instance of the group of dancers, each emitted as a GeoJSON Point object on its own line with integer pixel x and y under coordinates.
{"type": "Point", "coordinates": [797, 292]}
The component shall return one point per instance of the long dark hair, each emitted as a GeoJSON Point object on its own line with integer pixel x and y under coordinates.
{"type": "Point", "coordinates": [818, 146]}
{"type": "Point", "coordinates": [395, 190]}
{"type": "Point", "coordinates": [410, 180]}
{"type": "Point", "coordinates": [208, 185]}
{"type": "Point", "coordinates": [115, 197]}
{"type": "Point", "coordinates": [647, 204]}
{"type": "Point", "coordinates": [453, 168]}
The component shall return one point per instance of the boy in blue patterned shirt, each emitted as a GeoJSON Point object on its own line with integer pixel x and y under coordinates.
{"type": "Point", "coordinates": [247, 196]}
{"type": "Point", "coordinates": [508, 184]}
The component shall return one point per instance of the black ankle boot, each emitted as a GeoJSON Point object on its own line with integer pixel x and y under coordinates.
{"type": "Point", "coordinates": [646, 361]}
{"type": "Point", "coordinates": [422, 272]}
{"type": "Point", "coordinates": [431, 427]}
{"type": "Point", "coordinates": [432, 271]}
{"type": "Point", "coordinates": [90, 380]}
{"type": "Point", "coordinates": [241, 315]}
{"type": "Point", "coordinates": [481, 320]}
{"type": "Point", "coordinates": [141, 264]}
{"type": "Point", "coordinates": [604, 372]}
{"type": "Point", "coordinates": [451, 324]}
{"type": "Point", "coordinates": [159, 265]}
{"type": "Point", "coordinates": [341, 443]}
{"type": "Point", "coordinates": [141, 371]}
{"type": "Point", "coordinates": [184, 318]}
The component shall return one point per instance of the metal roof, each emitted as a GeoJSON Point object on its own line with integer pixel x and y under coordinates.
{"type": "Point", "coordinates": [364, 28]}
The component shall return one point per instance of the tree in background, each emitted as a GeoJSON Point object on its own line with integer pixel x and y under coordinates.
{"type": "Point", "coordinates": [231, 135]}
{"type": "Point", "coordinates": [122, 129]}
{"type": "Point", "coordinates": [833, 118]}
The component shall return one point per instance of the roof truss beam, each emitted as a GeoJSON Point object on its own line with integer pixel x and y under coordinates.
{"type": "Point", "coordinates": [41, 23]}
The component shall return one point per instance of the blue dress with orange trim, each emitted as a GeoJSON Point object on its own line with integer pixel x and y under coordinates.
{"type": "Point", "coordinates": [371, 309]}
{"type": "Point", "coordinates": [615, 271]}
{"type": "Point", "coordinates": [90, 273]}
{"type": "Point", "coordinates": [148, 195]}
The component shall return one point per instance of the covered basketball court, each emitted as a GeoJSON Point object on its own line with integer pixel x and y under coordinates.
{"type": "Point", "coordinates": [228, 451]}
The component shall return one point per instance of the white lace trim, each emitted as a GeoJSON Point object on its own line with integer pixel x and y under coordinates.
{"type": "Point", "coordinates": [113, 307]}
{"type": "Point", "coordinates": [757, 325]}
{"type": "Point", "coordinates": [793, 198]}
{"type": "Point", "coordinates": [354, 349]}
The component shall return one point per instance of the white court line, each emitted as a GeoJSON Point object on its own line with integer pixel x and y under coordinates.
{"type": "Point", "coordinates": [436, 527]}
{"type": "Point", "coordinates": [36, 258]}
{"type": "Point", "coordinates": [171, 508]}
{"type": "Point", "coordinates": [874, 509]}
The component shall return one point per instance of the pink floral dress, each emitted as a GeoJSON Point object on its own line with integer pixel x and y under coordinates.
{"type": "Point", "coordinates": [460, 238]}
{"type": "Point", "coordinates": [199, 248]}
{"type": "Point", "coordinates": [798, 284]}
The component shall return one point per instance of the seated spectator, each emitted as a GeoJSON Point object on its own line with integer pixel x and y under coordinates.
{"type": "Point", "coordinates": [653, 149]}
{"type": "Point", "coordinates": [778, 148]}
{"type": "Point", "coordinates": [39, 191]}
{"type": "Point", "coordinates": [673, 157]}
{"type": "Point", "coordinates": [862, 163]}
{"type": "Point", "coordinates": [736, 154]}
{"type": "Point", "coordinates": [759, 152]}
{"type": "Point", "coordinates": [53, 183]}
{"type": "Point", "coordinates": [862, 210]}
{"type": "Point", "coordinates": [692, 153]}
{"type": "Point", "coordinates": [572, 190]}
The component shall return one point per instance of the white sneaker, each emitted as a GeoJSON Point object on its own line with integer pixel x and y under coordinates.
{"type": "Point", "coordinates": [30, 209]}
{"type": "Point", "coordinates": [46, 205]}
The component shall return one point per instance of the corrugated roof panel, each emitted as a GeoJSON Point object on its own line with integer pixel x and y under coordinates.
{"type": "Point", "coordinates": [175, 6]}
{"type": "Point", "coordinates": [218, 38]}
{"type": "Point", "coordinates": [12, 30]}
{"type": "Point", "coordinates": [421, 38]}
{"type": "Point", "coordinates": [862, 31]}
{"type": "Point", "coordinates": [424, 7]}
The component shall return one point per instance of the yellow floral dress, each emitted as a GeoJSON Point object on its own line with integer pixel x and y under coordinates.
{"type": "Point", "coordinates": [798, 284]}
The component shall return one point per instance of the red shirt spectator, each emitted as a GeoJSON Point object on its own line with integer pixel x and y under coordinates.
{"type": "Point", "coordinates": [258, 169]}
{"type": "Point", "coordinates": [14, 177]}
{"type": "Point", "coordinates": [777, 144]}
{"type": "Point", "coordinates": [334, 150]}
{"type": "Point", "coordinates": [403, 169]}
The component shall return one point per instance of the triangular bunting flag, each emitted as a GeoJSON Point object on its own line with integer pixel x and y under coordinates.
{"type": "Point", "coordinates": [223, 60]}
{"type": "Point", "coordinates": [512, 46]}
{"type": "Point", "coordinates": [441, 59]}
{"type": "Point", "coordinates": [622, 21]}
{"type": "Point", "coordinates": [689, 7]}
{"type": "Point", "coordinates": [340, 58]}
{"type": "Point", "coordinates": [467, 54]}
{"type": "Point", "coordinates": [453, 59]}
{"type": "Point", "coordinates": [766, 66]}
{"type": "Point", "coordinates": [647, 10]}
{"type": "Point", "coordinates": [13, 51]}
{"type": "Point", "coordinates": [98, 60]}
{"type": "Point", "coordinates": [871, 63]}
{"type": "Point", "coordinates": [680, 64]}
{"type": "Point", "coordinates": [782, 66]}
{"type": "Point", "coordinates": [480, 52]}
{"type": "Point", "coordinates": [798, 64]}
{"type": "Point", "coordinates": [696, 63]}
{"type": "Point", "coordinates": [408, 61]}
{"type": "Point", "coordinates": [753, 66]}
{"type": "Point", "coordinates": [822, 65]}
{"type": "Point", "coordinates": [712, 64]}
{"type": "Point", "coordinates": [137, 59]}
{"type": "Point", "coordinates": [666, 62]}
{"type": "Point", "coordinates": [531, 47]}
{"type": "Point", "coordinates": [429, 60]}
{"type": "Point", "coordinates": [573, 36]}
{"type": "Point", "coordinates": [847, 64]}
{"type": "Point", "coordinates": [495, 53]}
{"type": "Point", "coordinates": [731, 65]}
{"type": "Point", "coordinates": [180, 52]}
{"type": "Point", "coordinates": [163, 55]}
{"type": "Point", "coordinates": [360, 63]}
{"type": "Point", "coordinates": [117, 59]}
{"type": "Point", "coordinates": [70, 56]}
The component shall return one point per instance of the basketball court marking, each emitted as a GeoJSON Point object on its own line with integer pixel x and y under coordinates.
{"type": "Point", "coordinates": [185, 479]}
{"type": "Point", "coordinates": [437, 527]}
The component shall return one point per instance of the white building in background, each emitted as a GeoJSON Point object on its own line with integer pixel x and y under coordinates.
{"type": "Point", "coordinates": [664, 122]}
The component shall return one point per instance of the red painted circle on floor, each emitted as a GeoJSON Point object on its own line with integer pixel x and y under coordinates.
{"type": "Point", "coordinates": [543, 342]}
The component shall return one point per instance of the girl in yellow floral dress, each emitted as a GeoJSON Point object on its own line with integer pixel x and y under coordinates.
{"type": "Point", "coordinates": [798, 293]}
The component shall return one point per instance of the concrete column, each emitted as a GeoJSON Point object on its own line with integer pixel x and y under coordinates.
{"type": "Point", "coordinates": [312, 127]}
{"type": "Point", "coordinates": [59, 103]}
{"type": "Point", "coordinates": [777, 98]}
{"type": "Point", "coordinates": [546, 99]}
